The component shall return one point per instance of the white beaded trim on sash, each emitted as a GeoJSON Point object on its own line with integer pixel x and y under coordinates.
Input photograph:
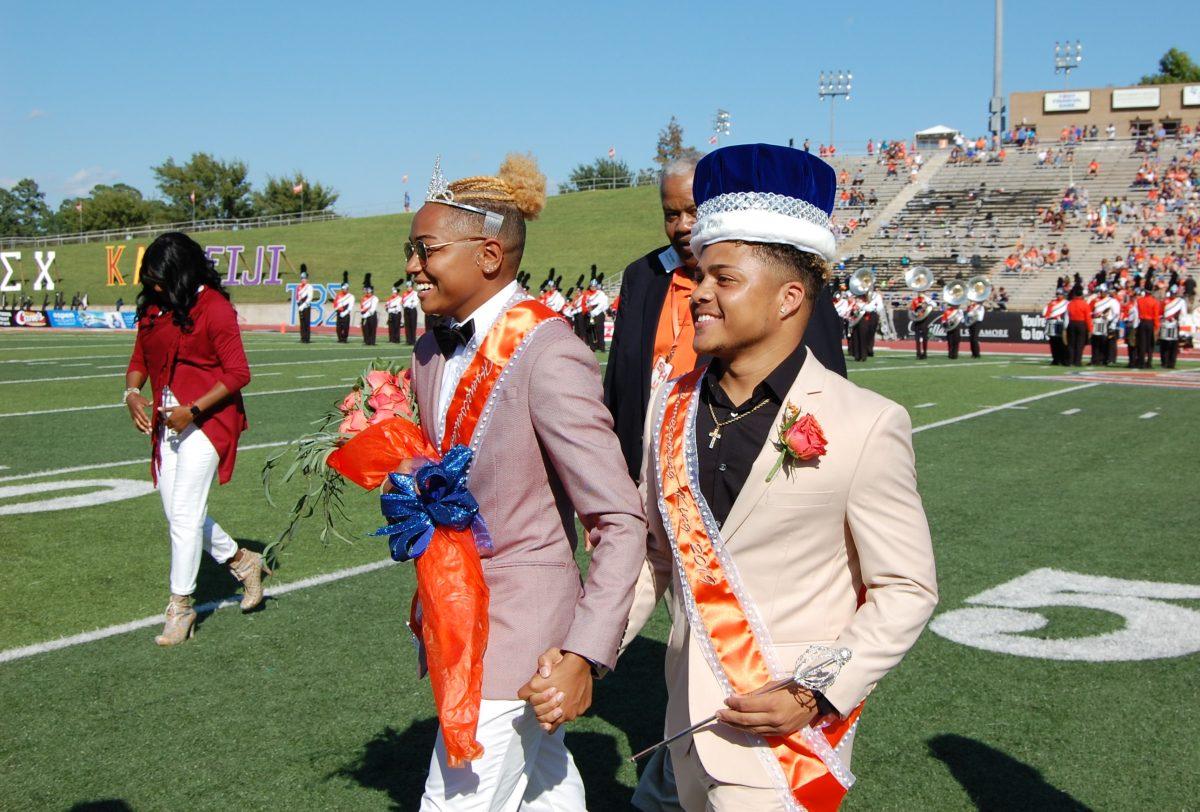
{"type": "Point", "coordinates": [763, 201]}
{"type": "Point", "coordinates": [699, 632]}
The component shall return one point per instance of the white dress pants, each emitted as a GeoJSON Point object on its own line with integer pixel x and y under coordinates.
{"type": "Point", "coordinates": [522, 767]}
{"type": "Point", "coordinates": [188, 465]}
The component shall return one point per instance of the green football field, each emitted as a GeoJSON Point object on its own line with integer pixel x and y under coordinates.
{"type": "Point", "coordinates": [1061, 670]}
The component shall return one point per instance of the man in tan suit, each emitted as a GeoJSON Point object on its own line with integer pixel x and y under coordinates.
{"type": "Point", "coordinates": [544, 452]}
{"type": "Point", "coordinates": [822, 569]}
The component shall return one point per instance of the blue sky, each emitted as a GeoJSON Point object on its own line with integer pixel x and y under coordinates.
{"type": "Point", "coordinates": [358, 94]}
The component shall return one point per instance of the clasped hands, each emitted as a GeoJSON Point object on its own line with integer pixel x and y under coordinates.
{"type": "Point", "coordinates": [561, 691]}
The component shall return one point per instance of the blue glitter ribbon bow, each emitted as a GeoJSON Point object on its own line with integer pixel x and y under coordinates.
{"type": "Point", "coordinates": [435, 496]}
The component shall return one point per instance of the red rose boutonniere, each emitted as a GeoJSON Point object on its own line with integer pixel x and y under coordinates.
{"type": "Point", "coordinates": [800, 438]}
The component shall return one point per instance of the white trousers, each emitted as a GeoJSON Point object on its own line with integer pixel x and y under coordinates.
{"type": "Point", "coordinates": [522, 767]}
{"type": "Point", "coordinates": [188, 465]}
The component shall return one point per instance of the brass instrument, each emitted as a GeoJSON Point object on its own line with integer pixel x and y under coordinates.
{"type": "Point", "coordinates": [918, 278]}
{"type": "Point", "coordinates": [979, 289]}
{"type": "Point", "coordinates": [862, 281]}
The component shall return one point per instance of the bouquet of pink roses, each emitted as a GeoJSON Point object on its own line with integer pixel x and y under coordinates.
{"type": "Point", "coordinates": [383, 391]}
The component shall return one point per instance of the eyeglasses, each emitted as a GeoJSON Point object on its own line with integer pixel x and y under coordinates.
{"type": "Point", "coordinates": [423, 251]}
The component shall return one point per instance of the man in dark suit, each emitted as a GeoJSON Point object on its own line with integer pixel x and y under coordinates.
{"type": "Point", "coordinates": [652, 334]}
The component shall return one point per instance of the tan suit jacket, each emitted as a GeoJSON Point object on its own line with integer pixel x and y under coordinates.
{"type": "Point", "coordinates": [806, 545]}
{"type": "Point", "coordinates": [549, 453]}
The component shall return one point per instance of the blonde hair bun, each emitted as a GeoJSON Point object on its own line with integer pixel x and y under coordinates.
{"type": "Point", "coordinates": [519, 183]}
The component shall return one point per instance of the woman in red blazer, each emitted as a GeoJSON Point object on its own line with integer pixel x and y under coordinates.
{"type": "Point", "coordinates": [190, 347]}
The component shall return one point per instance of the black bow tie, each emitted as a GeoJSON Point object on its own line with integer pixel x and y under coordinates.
{"type": "Point", "coordinates": [452, 336]}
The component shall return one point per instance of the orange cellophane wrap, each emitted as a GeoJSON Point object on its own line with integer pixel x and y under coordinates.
{"type": "Point", "coordinates": [450, 609]}
{"type": "Point", "coordinates": [810, 781]}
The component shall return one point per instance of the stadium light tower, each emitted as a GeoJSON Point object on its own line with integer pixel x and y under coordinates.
{"type": "Point", "coordinates": [831, 85]}
{"type": "Point", "coordinates": [996, 105]}
{"type": "Point", "coordinates": [1067, 58]}
{"type": "Point", "coordinates": [722, 123]}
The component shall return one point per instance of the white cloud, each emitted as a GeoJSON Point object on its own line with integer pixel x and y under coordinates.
{"type": "Point", "coordinates": [37, 113]}
{"type": "Point", "coordinates": [82, 181]}
{"type": "Point", "coordinates": [7, 183]}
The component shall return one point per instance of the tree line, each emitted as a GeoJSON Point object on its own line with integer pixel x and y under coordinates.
{"type": "Point", "coordinates": [608, 172]}
{"type": "Point", "coordinates": [203, 188]}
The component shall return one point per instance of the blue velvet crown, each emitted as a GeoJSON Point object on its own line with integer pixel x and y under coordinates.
{"type": "Point", "coordinates": [764, 193]}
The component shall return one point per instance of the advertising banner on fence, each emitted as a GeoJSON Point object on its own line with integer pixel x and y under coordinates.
{"type": "Point", "coordinates": [998, 325]}
{"type": "Point", "coordinates": [92, 319]}
{"type": "Point", "coordinates": [23, 318]}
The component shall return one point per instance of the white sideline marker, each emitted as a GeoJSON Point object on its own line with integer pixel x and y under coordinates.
{"type": "Point", "coordinates": [121, 405]}
{"type": "Point", "coordinates": [1148, 415]}
{"type": "Point", "coordinates": [924, 405]}
{"type": "Point", "coordinates": [302, 377]}
{"type": "Point", "coordinates": [205, 608]}
{"type": "Point", "coordinates": [1070, 411]}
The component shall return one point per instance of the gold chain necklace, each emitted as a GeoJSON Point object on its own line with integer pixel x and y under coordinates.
{"type": "Point", "coordinates": [715, 434]}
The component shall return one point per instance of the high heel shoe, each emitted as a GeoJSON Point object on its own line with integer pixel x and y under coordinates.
{"type": "Point", "coordinates": [181, 621]}
{"type": "Point", "coordinates": [249, 569]}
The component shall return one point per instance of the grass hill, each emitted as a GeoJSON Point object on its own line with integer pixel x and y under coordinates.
{"type": "Point", "coordinates": [608, 228]}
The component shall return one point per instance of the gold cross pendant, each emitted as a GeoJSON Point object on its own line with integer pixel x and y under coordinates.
{"type": "Point", "coordinates": [714, 435]}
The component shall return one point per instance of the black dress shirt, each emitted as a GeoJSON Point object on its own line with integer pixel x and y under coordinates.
{"type": "Point", "coordinates": [725, 467]}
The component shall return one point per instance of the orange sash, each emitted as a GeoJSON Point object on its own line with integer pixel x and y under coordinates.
{"type": "Point", "coordinates": [810, 772]}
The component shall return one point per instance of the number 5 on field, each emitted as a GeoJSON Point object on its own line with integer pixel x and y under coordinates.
{"type": "Point", "coordinates": [1153, 629]}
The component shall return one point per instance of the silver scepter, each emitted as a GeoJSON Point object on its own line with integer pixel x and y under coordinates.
{"type": "Point", "coordinates": [813, 676]}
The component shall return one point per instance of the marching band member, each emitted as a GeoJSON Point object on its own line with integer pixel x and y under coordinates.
{"type": "Point", "coordinates": [860, 326]}
{"type": "Point", "coordinates": [1174, 310]}
{"type": "Point", "coordinates": [920, 313]}
{"type": "Point", "coordinates": [304, 297]}
{"type": "Point", "coordinates": [410, 302]}
{"type": "Point", "coordinates": [775, 564]}
{"type": "Point", "coordinates": [597, 309]}
{"type": "Point", "coordinates": [1079, 326]}
{"type": "Point", "coordinates": [393, 306]}
{"type": "Point", "coordinates": [580, 319]}
{"type": "Point", "coordinates": [952, 318]}
{"type": "Point", "coordinates": [974, 317]}
{"type": "Point", "coordinates": [1149, 315]}
{"type": "Point", "coordinates": [874, 317]}
{"type": "Point", "coordinates": [554, 299]}
{"type": "Point", "coordinates": [1105, 310]}
{"type": "Point", "coordinates": [343, 305]}
{"type": "Point", "coordinates": [1055, 314]}
{"type": "Point", "coordinates": [190, 347]}
{"type": "Point", "coordinates": [548, 423]}
{"type": "Point", "coordinates": [1129, 322]}
{"type": "Point", "coordinates": [368, 312]}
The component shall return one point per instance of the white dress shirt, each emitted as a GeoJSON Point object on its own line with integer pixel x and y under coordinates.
{"type": "Point", "coordinates": [484, 317]}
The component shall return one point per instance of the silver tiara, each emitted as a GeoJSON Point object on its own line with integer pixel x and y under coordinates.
{"type": "Point", "coordinates": [440, 192]}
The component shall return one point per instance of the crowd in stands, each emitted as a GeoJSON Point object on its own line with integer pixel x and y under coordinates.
{"type": "Point", "coordinates": [1036, 257]}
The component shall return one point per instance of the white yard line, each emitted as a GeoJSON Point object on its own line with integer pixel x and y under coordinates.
{"type": "Point", "coordinates": [252, 368]}
{"type": "Point", "coordinates": [302, 377]}
{"type": "Point", "coordinates": [205, 608]}
{"type": "Point", "coordinates": [1147, 415]}
{"type": "Point", "coordinates": [1070, 411]}
{"type": "Point", "coordinates": [75, 469]}
{"type": "Point", "coordinates": [991, 409]}
{"type": "Point", "coordinates": [964, 365]}
{"type": "Point", "coordinates": [122, 406]}
{"type": "Point", "coordinates": [121, 628]}
{"type": "Point", "coordinates": [296, 348]}
{"type": "Point", "coordinates": [924, 405]}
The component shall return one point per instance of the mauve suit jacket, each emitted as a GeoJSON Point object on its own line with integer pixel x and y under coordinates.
{"type": "Point", "coordinates": [548, 453]}
{"type": "Point", "coordinates": [806, 545]}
